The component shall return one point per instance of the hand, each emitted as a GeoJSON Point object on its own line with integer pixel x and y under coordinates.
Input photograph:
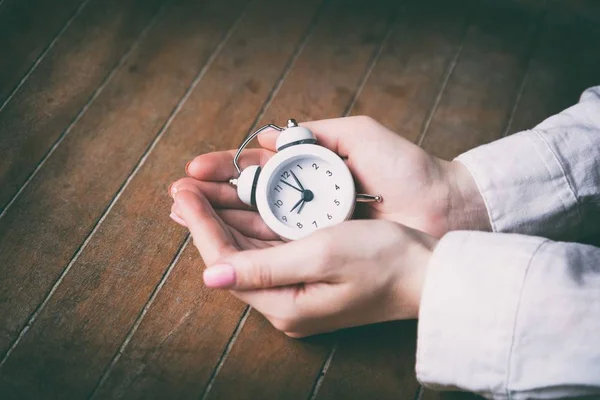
{"type": "Point", "coordinates": [419, 190]}
{"type": "Point", "coordinates": [338, 277]}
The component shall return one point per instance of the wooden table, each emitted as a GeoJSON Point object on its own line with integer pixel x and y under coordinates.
{"type": "Point", "coordinates": [103, 102]}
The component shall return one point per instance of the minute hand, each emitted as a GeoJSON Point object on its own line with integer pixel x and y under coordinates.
{"type": "Point", "coordinates": [296, 179]}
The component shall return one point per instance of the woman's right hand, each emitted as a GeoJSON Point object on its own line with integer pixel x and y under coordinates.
{"type": "Point", "coordinates": [418, 189]}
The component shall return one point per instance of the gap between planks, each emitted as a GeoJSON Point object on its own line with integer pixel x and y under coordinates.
{"type": "Point", "coordinates": [85, 107]}
{"type": "Point", "coordinates": [124, 186]}
{"type": "Point", "coordinates": [140, 317]}
{"type": "Point", "coordinates": [44, 52]}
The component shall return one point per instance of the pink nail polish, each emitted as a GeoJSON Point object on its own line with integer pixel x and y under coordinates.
{"type": "Point", "coordinates": [177, 219]}
{"type": "Point", "coordinates": [187, 187]}
{"type": "Point", "coordinates": [219, 276]}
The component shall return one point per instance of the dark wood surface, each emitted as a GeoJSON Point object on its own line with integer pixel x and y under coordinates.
{"type": "Point", "coordinates": [103, 102]}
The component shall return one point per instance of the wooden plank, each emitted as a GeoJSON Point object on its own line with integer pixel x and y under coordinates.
{"type": "Point", "coordinates": [373, 361]}
{"type": "Point", "coordinates": [428, 394]}
{"type": "Point", "coordinates": [188, 326]}
{"type": "Point", "coordinates": [410, 72]}
{"type": "Point", "coordinates": [181, 337]}
{"type": "Point", "coordinates": [264, 363]}
{"type": "Point", "coordinates": [379, 360]}
{"type": "Point", "coordinates": [50, 220]}
{"type": "Point", "coordinates": [562, 68]}
{"type": "Point", "coordinates": [63, 83]}
{"type": "Point", "coordinates": [136, 241]}
{"type": "Point", "coordinates": [477, 102]}
{"type": "Point", "coordinates": [27, 28]}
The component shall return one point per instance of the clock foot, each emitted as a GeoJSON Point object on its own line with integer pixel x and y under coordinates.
{"type": "Point", "coordinates": [368, 198]}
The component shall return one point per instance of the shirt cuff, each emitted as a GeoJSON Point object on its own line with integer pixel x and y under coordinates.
{"type": "Point", "coordinates": [524, 187]}
{"type": "Point", "coordinates": [468, 311]}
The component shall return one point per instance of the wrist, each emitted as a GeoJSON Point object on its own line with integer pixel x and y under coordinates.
{"type": "Point", "coordinates": [465, 207]}
{"type": "Point", "coordinates": [424, 248]}
{"type": "Point", "coordinates": [413, 254]}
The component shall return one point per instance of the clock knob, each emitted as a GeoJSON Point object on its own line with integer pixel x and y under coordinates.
{"type": "Point", "coordinates": [294, 134]}
{"type": "Point", "coordinates": [246, 184]}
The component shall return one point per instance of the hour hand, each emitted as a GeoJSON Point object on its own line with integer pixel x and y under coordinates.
{"type": "Point", "coordinates": [301, 206]}
{"type": "Point", "coordinates": [297, 204]}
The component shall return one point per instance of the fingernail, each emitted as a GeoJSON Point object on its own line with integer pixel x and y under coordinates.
{"type": "Point", "coordinates": [187, 187]}
{"type": "Point", "coordinates": [219, 276]}
{"type": "Point", "coordinates": [171, 188]}
{"type": "Point", "coordinates": [177, 219]}
{"type": "Point", "coordinates": [187, 167]}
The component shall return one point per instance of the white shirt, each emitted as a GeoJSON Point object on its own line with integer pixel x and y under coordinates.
{"type": "Point", "coordinates": [513, 314]}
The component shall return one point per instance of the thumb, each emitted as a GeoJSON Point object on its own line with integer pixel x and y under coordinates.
{"type": "Point", "coordinates": [287, 264]}
{"type": "Point", "coordinates": [210, 236]}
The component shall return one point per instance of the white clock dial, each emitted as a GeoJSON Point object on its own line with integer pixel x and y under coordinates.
{"type": "Point", "coordinates": [304, 191]}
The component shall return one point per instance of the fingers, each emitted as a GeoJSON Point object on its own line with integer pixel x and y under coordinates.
{"type": "Point", "coordinates": [175, 215]}
{"type": "Point", "coordinates": [248, 223]}
{"type": "Point", "coordinates": [288, 264]}
{"type": "Point", "coordinates": [337, 134]}
{"type": "Point", "coordinates": [210, 236]}
{"type": "Point", "coordinates": [218, 166]}
{"type": "Point", "coordinates": [219, 194]}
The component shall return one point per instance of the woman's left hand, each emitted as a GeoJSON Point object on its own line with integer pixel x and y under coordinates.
{"type": "Point", "coordinates": [354, 273]}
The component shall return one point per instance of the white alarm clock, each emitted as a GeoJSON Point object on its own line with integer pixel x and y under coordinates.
{"type": "Point", "coordinates": [302, 188]}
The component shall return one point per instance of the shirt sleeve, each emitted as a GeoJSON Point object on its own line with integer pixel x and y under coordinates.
{"type": "Point", "coordinates": [511, 317]}
{"type": "Point", "coordinates": [545, 181]}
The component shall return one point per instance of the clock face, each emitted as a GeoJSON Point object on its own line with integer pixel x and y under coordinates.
{"type": "Point", "coordinates": [305, 192]}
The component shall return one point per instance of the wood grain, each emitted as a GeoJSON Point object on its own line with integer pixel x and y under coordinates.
{"type": "Point", "coordinates": [64, 81]}
{"type": "Point", "coordinates": [410, 72]}
{"type": "Point", "coordinates": [478, 99]}
{"type": "Point", "coordinates": [27, 27]}
{"type": "Point", "coordinates": [187, 327]}
{"type": "Point", "coordinates": [264, 363]}
{"type": "Point", "coordinates": [428, 394]}
{"type": "Point", "coordinates": [227, 100]}
{"type": "Point", "coordinates": [399, 93]}
{"type": "Point", "coordinates": [561, 69]}
{"type": "Point", "coordinates": [49, 222]}
{"type": "Point", "coordinates": [376, 360]}
{"type": "Point", "coordinates": [130, 317]}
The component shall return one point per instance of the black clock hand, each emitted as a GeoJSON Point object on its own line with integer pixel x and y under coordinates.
{"type": "Point", "coordinates": [296, 179]}
{"type": "Point", "coordinates": [297, 204]}
{"type": "Point", "coordinates": [290, 185]}
{"type": "Point", "coordinates": [301, 205]}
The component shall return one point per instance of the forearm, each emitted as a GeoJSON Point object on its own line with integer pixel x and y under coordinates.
{"type": "Point", "coordinates": [542, 182]}
{"type": "Point", "coordinates": [511, 316]}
